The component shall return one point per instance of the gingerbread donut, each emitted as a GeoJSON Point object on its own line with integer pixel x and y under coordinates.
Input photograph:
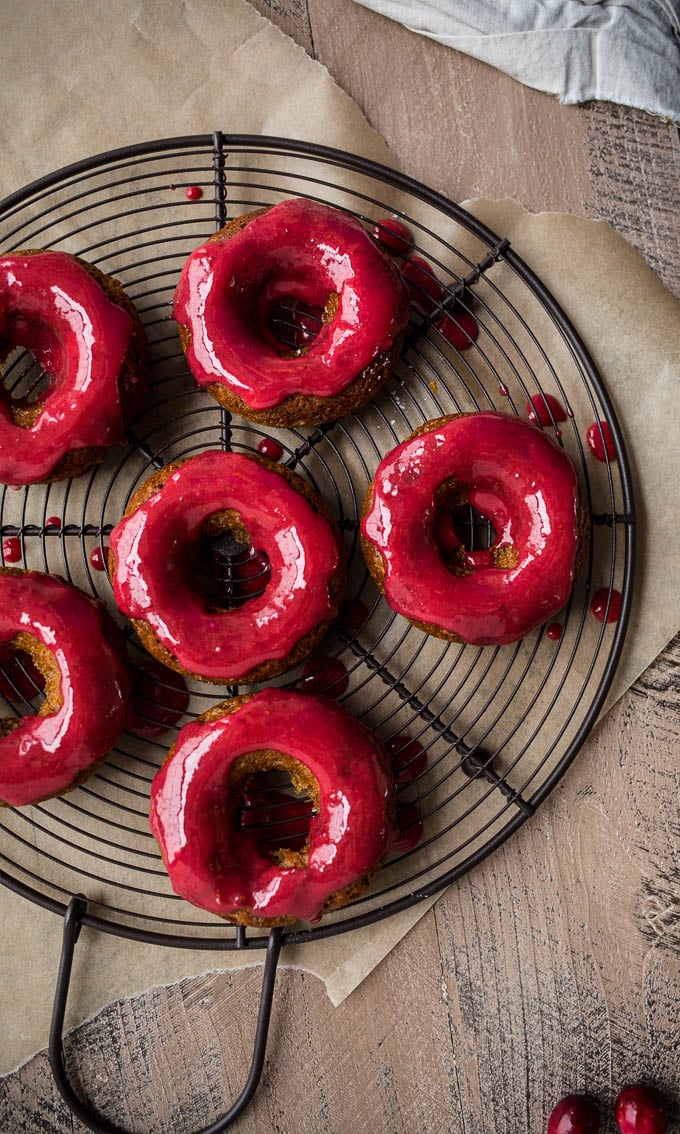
{"type": "Point", "coordinates": [514, 475]}
{"type": "Point", "coordinates": [86, 336]}
{"type": "Point", "coordinates": [297, 252]}
{"type": "Point", "coordinates": [73, 645]}
{"type": "Point", "coordinates": [154, 554]}
{"type": "Point", "coordinates": [215, 862]}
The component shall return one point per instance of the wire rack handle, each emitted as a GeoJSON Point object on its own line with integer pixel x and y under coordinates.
{"type": "Point", "coordinates": [73, 920]}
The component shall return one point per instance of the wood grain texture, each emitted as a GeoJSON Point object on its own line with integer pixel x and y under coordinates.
{"type": "Point", "coordinates": [555, 965]}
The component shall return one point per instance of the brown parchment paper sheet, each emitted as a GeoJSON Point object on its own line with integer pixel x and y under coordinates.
{"type": "Point", "coordinates": [168, 68]}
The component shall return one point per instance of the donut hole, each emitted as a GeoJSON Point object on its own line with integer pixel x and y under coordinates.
{"type": "Point", "coordinates": [30, 681]}
{"type": "Point", "coordinates": [291, 325]}
{"type": "Point", "coordinates": [275, 799]}
{"type": "Point", "coordinates": [229, 570]}
{"type": "Point", "coordinates": [32, 361]}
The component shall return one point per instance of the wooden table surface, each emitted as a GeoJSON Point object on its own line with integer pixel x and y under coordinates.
{"type": "Point", "coordinates": [555, 965]}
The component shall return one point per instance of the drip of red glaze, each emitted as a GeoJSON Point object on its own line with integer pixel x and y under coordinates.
{"type": "Point", "coordinates": [159, 699]}
{"type": "Point", "coordinates": [53, 522]}
{"type": "Point", "coordinates": [460, 328]}
{"type": "Point", "coordinates": [11, 549]}
{"type": "Point", "coordinates": [598, 605]}
{"type": "Point", "coordinates": [392, 234]}
{"type": "Point", "coordinates": [19, 678]}
{"type": "Point", "coordinates": [193, 192]}
{"type": "Point", "coordinates": [540, 408]}
{"type": "Point", "coordinates": [408, 758]}
{"type": "Point", "coordinates": [270, 448]}
{"type": "Point", "coordinates": [409, 828]}
{"type": "Point", "coordinates": [98, 558]}
{"type": "Point", "coordinates": [503, 391]}
{"type": "Point", "coordinates": [423, 287]}
{"type": "Point", "coordinates": [324, 675]}
{"type": "Point", "coordinates": [554, 631]}
{"type": "Point", "coordinates": [600, 441]}
{"type": "Point", "coordinates": [354, 614]}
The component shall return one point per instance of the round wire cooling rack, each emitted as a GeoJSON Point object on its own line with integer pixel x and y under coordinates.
{"type": "Point", "coordinates": [490, 731]}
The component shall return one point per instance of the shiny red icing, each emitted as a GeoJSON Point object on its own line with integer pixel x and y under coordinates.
{"type": "Point", "coordinates": [600, 441]}
{"type": "Point", "coordinates": [606, 605]}
{"type": "Point", "coordinates": [423, 287]}
{"type": "Point", "coordinates": [297, 251]}
{"type": "Point", "coordinates": [11, 549]}
{"type": "Point", "coordinates": [554, 631]}
{"type": "Point", "coordinates": [216, 863]}
{"type": "Point", "coordinates": [545, 409]}
{"type": "Point", "coordinates": [52, 306]}
{"type": "Point", "coordinates": [43, 755]}
{"type": "Point", "coordinates": [515, 476]}
{"type": "Point", "coordinates": [155, 551]}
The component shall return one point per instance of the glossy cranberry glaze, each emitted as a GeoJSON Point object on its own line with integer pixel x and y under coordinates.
{"type": "Point", "coordinates": [639, 1111]}
{"type": "Point", "coordinates": [600, 441]}
{"type": "Point", "coordinates": [545, 409]}
{"type": "Point", "coordinates": [423, 287]}
{"type": "Point", "coordinates": [43, 755]}
{"type": "Point", "coordinates": [606, 605]}
{"type": "Point", "coordinates": [11, 549]}
{"type": "Point", "coordinates": [155, 551]}
{"type": "Point", "coordinates": [52, 306]}
{"type": "Point", "coordinates": [574, 1114]}
{"type": "Point", "coordinates": [298, 251]}
{"type": "Point", "coordinates": [514, 475]}
{"type": "Point", "coordinates": [393, 234]}
{"type": "Point", "coordinates": [460, 328]}
{"type": "Point", "coordinates": [217, 864]}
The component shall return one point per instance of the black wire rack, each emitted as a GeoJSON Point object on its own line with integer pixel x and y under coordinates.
{"type": "Point", "coordinates": [486, 770]}
{"type": "Point", "coordinates": [498, 726]}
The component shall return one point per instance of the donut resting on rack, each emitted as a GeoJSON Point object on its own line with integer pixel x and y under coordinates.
{"type": "Point", "coordinates": [246, 280]}
{"type": "Point", "coordinates": [217, 863]}
{"type": "Point", "coordinates": [77, 650]}
{"type": "Point", "coordinates": [527, 488]}
{"type": "Point", "coordinates": [85, 334]}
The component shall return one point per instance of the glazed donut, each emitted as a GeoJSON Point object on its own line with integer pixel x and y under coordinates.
{"type": "Point", "coordinates": [514, 475]}
{"type": "Point", "coordinates": [217, 864]}
{"type": "Point", "coordinates": [74, 646]}
{"type": "Point", "coordinates": [155, 548]}
{"type": "Point", "coordinates": [296, 252]}
{"type": "Point", "coordinates": [85, 334]}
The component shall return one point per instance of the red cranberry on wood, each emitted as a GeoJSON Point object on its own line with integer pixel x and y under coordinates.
{"type": "Point", "coordinates": [639, 1111]}
{"type": "Point", "coordinates": [574, 1114]}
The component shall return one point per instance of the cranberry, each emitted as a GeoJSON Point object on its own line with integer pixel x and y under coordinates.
{"type": "Point", "coordinates": [11, 549]}
{"type": "Point", "coordinates": [600, 441]}
{"type": "Point", "coordinates": [159, 698]}
{"type": "Point", "coordinates": [638, 1111]}
{"type": "Point", "coordinates": [574, 1114]}
{"type": "Point", "coordinates": [553, 631]}
{"type": "Point", "coordinates": [460, 328]}
{"type": "Point", "coordinates": [542, 406]}
{"type": "Point", "coordinates": [193, 192]}
{"type": "Point", "coordinates": [98, 558]}
{"type": "Point", "coordinates": [393, 235]}
{"type": "Point", "coordinates": [422, 285]}
{"type": "Point", "coordinates": [598, 605]}
{"type": "Point", "coordinates": [270, 448]}
{"type": "Point", "coordinates": [325, 675]}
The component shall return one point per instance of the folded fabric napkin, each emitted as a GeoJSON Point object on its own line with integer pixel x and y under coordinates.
{"type": "Point", "coordinates": [577, 49]}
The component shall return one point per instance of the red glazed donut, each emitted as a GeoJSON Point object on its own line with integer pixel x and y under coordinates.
{"type": "Point", "coordinates": [73, 646]}
{"type": "Point", "coordinates": [302, 252]}
{"type": "Point", "coordinates": [154, 551]}
{"type": "Point", "coordinates": [84, 333]}
{"type": "Point", "coordinates": [217, 864]}
{"type": "Point", "coordinates": [514, 475]}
